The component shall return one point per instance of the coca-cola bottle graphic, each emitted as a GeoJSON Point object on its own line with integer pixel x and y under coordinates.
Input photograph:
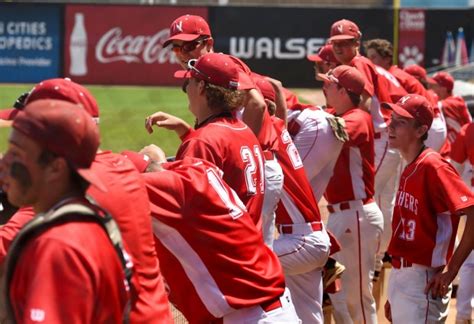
{"type": "Point", "coordinates": [78, 47]}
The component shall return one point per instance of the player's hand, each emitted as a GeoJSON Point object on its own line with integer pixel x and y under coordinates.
{"type": "Point", "coordinates": [388, 311]}
{"type": "Point", "coordinates": [162, 119]}
{"type": "Point", "coordinates": [155, 153]}
{"type": "Point", "coordinates": [439, 284]}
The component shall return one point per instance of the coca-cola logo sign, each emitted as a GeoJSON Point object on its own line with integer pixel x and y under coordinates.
{"type": "Point", "coordinates": [121, 44]}
{"type": "Point", "coordinates": [114, 46]}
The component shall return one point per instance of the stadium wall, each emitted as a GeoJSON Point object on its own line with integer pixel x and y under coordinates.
{"type": "Point", "coordinates": [122, 44]}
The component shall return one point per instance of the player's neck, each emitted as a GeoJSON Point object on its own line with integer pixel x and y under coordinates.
{"type": "Point", "coordinates": [411, 152]}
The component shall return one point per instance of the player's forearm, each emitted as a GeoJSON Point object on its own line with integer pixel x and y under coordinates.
{"type": "Point", "coordinates": [254, 110]}
{"type": "Point", "coordinates": [466, 244]}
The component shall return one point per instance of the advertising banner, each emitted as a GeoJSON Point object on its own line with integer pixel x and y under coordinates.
{"type": "Point", "coordinates": [276, 41]}
{"type": "Point", "coordinates": [411, 46]}
{"type": "Point", "coordinates": [29, 42]}
{"type": "Point", "coordinates": [121, 44]}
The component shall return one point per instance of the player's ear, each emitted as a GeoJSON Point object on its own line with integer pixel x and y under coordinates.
{"type": "Point", "coordinates": [57, 168]}
{"type": "Point", "coordinates": [210, 45]}
{"type": "Point", "coordinates": [421, 130]}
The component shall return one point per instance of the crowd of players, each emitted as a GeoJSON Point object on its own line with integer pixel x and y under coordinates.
{"type": "Point", "coordinates": [230, 231]}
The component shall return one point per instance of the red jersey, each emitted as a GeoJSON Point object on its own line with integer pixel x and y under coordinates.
{"type": "Point", "coordinates": [456, 114]}
{"type": "Point", "coordinates": [462, 148]}
{"type": "Point", "coordinates": [62, 277]}
{"type": "Point", "coordinates": [297, 204]}
{"type": "Point", "coordinates": [212, 256]}
{"type": "Point", "coordinates": [354, 173]}
{"type": "Point", "coordinates": [290, 98]}
{"type": "Point", "coordinates": [381, 86]}
{"type": "Point", "coordinates": [230, 145]}
{"type": "Point", "coordinates": [123, 184]}
{"type": "Point", "coordinates": [430, 197]}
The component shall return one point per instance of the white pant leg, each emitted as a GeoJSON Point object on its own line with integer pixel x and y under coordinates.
{"type": "Point", "coordinates": [408, 302]}
{"type": "Point", "coordinates": [302, 258]}
{"type": "Point", "coordinates": [318, 148]}
{"type": "Point", "coordinates": [273, 190]}
{"type": "Point", "coordinates": [465, 293]}
{"type": "Point", "coordinates": [386, 183]}
{"type": "Point", "coordinates": [358, 231]}
{"type": "Point", "coordinates": [256, 315]}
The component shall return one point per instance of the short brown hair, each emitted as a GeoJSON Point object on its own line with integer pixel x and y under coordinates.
{"type": "Point", "coordinates": [382, 46]}
{"type": "Point", "coordinates": [223, 99]}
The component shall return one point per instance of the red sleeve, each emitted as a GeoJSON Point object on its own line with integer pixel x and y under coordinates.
{"type": "Point", "coordinates": [458, 147]}
{"type": "Point", "coordinates": [11, 229]}
{"type": "Point", "coordinates": [195, 147]}
{"type": "Point", "coordinates": [451, 192]}
{"type": "Point", "coordinates": [356, 129]}
{"type": "Point", "coordinates": [57, 271]}
{"type": "Point", "coordinates": [367, 74]}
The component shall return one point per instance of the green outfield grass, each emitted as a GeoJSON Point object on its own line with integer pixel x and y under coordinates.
{"type": "Point", "coordinates": [122, 114]}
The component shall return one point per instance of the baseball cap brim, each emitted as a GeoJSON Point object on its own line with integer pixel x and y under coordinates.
{"type": "Point", "coordinates": [181, 37]}
{"type": "Point", "coordinates": [182, 74]}
{"type": "Point", "coordinates": [245, 81]}
{"type": "Point", "coordinates": [93, 178]}
{"type": "Point", "coordinates": [397, 109]}
{"type": "Point", "coordinates": [314, 58]}
{"type": "Point", "coordinates": [8, 114]}
{"type": "Point", "coordinates": [341, 37]}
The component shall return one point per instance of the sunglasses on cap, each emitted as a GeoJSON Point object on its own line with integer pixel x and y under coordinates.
{"type": "Point", "coordinates": [191, 67]}
{"type": "Point", "coordinates": [187, 47]}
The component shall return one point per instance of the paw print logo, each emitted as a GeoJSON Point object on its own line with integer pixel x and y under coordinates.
{"type": "Point", "coordinates": [411, 55]}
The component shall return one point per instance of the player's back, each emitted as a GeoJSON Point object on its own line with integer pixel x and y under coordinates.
{"type": "Point", "coordinates": [127, 200]}
{"type": "Point", "coordinates": [212, 255]}
{"type": "Point", "coordinates": [230, 145]}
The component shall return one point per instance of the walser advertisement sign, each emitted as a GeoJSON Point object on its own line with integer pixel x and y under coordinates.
{"type": "Point", "coordinates": [121, 44]}
{"type": "Point", "coordinates": [29, 42]}
{"type": "Point", "coordinates": [276, 41]}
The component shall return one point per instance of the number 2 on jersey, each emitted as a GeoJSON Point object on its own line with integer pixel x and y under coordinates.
{"type": "Point", "coordinates": [251, 158]}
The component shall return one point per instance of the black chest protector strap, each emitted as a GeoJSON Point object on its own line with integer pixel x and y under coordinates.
{"type": "Point", "coordinates": [75, 211]}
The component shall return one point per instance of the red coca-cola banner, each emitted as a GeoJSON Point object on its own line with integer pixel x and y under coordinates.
{"type": "Point", "coordinates": [411, 44]}
{"type": "Point", "coordinates": [121, 44]}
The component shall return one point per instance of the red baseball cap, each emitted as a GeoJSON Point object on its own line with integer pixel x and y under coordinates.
{"type": "Point", "coordinates": [444, 79]}
{"type": "Point", "coordinates": [265, 87]}
{"type": "Point", "coordinates": [8, 114]}
{"type": "Point", "coordinates": [141, 161]}
{"type": "Point", "coordinates": [64, 129]}
{"type": "Point", "coordinates": [218, 69]}
{"type": "Point", "coordinates": [188, 28]}
{"type": "Point", "coordinates": [413, 106]}
{"type": "Point", "coordinates": [418, 72]}
{"type": "Point", "coordinates": [65, 89]}
{"type": "Point", "coordinates": [346, 76]}
{"type": "Point", "coordinates": [325, 53]}
{"type": "Point", "coordinates": [344, 29]}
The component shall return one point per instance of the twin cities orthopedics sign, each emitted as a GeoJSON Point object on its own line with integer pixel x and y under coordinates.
{"type": "Point", "coordinates": [29, 42]}
{"type": "Point", "coordinates": [121, 44]}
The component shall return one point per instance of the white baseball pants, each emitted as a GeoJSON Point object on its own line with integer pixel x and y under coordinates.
{"type": "Point", "coordinates": [302, 255]}
{"type": "Point", "coordinates": [358, 230]}
{"type": "Point", "coordinates": [465, 293]}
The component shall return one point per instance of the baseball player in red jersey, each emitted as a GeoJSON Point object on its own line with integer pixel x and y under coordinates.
{"type": "Point", "coordinates": [454, 108]}
{"type": "Point", "coordinates": [123, 184]}
{"type": "Point", "coordinates": [380, 86]}
{"type": "Point", "coordinates": [190, 38]}
{"type": "Point", "coordinates": [462, 153]}
{"type": "Point", "coordinates": [214, 274]}
{"type": "Point", "coordinates": [54, 272]}
{"type": "Point", "coordinates": [355, 218]}
{"type": "Point", "coordinates": [314, 131]}
{"type": "Point", "coordinates": [303, 244]}
{"type": "Point", "coordinates": [213, 84]}
{"type": "Point", "coordinates": [430, 198]}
